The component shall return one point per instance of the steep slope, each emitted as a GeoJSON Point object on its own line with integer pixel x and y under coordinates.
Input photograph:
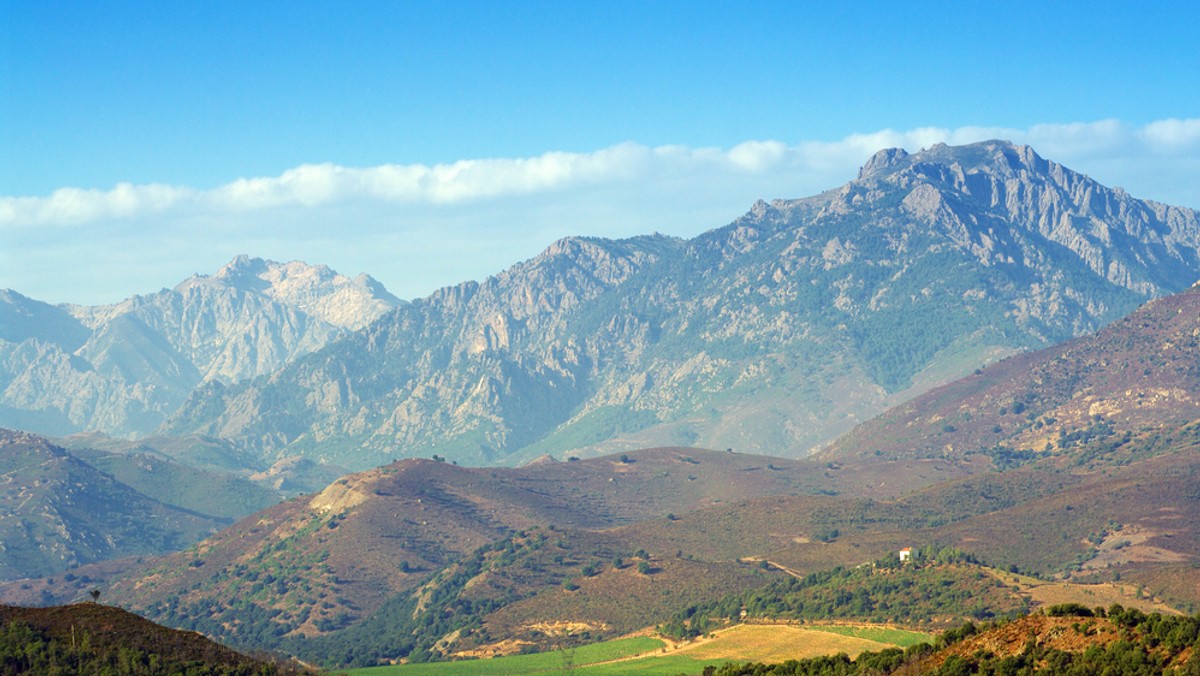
{"type": "Point", "coordinates": [57, 512]}
{"type": "Point", "coordinates": [123, 368]}
{"type": "Point", "coordinates": [335, 558]}
{"type": "Point", "coordinates": [772, 334]}
{"type": "Point", "coordinates": [473, 366]}
{"type": "Point", "coordinates": [1135, 378]}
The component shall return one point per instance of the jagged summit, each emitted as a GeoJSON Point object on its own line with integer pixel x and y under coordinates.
{"type": "Point", "coordinates": [316, 290]}
{"type": "Point", "coordinates": [995, 156]}
{"type": "Point", "coordinates": [1002, 201]}
{"type": "Point", "coordinates": [883, 160]}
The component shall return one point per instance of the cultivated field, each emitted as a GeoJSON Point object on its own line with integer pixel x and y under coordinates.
{"type": "Point", "coordinates": [643, 655]}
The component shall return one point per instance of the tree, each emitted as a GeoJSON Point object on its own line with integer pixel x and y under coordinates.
{"type": "Point", "coordinates": [95, 594]}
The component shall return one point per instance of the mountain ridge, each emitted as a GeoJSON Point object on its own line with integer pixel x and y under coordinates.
{"type": "Point", "coordinates": [772, 334]}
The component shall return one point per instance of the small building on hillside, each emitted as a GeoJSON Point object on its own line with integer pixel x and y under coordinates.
{"type": "Point", "coordinates": [906, 555]}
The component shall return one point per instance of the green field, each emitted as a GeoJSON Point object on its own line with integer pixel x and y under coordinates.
{"type": "Point", "coordinates": [897, 637]}
{"type": "Point", "coordinates": [667, 665]}
{"type": "Point", "coordinates": [548, 662]}
{"type": "Point", "coordinates": [741, 643]}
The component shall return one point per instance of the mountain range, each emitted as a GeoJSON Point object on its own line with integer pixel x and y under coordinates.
{"type": "Point", "coordinates": [773, 334]}
{"type": "Point", "coordinates": [122, 369]}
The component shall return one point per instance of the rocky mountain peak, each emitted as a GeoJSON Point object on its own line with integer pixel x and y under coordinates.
{"type": "Point", "coordinates": [994, 157]}
{"type": "Point", "coordinates": [122, 368]}
{"type": "Point", "coordinates": [997, 195]}
{"type": "Point", "coordinates": [245, 273]}
{"type": "Point", "coordinates": [882, 161]}
{"type": "Point", "coordinates": [315, 290]}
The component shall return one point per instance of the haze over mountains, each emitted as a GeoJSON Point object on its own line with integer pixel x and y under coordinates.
{"type": "Point", "coordinates": [122, 369]}
{"type": "Point", "coordinates": [58, 512]}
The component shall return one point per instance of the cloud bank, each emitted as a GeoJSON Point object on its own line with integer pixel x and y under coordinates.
{"type": "Point", "coordinates": [465, 181]}
{"type": "Point", "coordinates": [417, 227]}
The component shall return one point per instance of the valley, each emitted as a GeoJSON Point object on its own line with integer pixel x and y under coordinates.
{"type": "Point", "coordinates": [675, 453]}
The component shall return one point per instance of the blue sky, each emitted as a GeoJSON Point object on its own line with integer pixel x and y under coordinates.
{"type": "Point", "coordinates": [146, 141]}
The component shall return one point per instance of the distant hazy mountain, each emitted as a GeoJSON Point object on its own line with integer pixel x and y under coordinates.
{"type": "Point", "coordinates": [121, 369]}
{"type": "Point", "coordinates": [772, 334]}
{"type": "Point", "coordinates": [58, 512]}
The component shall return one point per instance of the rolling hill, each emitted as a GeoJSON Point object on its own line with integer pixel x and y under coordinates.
{"type": "Point", "coordinates": [335, 558]}
{"type": "Point", "coordinates": [95, 638]}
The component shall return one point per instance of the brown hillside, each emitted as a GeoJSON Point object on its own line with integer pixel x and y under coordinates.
{"type": "Point", "coordinates": [105, 629]}
{"type": "Point", "coordinates": [1135, 375]}
{"type": "Point", "coordinates": [320, 562]}
{"type": "Point", "coordinates": [1010, 639]}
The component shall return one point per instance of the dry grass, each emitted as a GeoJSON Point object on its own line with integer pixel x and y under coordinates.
{"type": "Point", "coordinates": [1104, 594]}
{"type": "Point", "coordinates": [775, 643]}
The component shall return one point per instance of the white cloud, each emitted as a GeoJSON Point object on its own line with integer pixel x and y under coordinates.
{"type": "Point", "coordinates": [314, 185]}
{"type": "Point", "coordinates": [1173, 136]}
{"type": "Point", "coordinates": [68, 206]}
{"type": "Point", "coordinates": [417, 227]}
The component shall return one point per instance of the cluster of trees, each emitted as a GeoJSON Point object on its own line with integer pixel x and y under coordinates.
{"type": "Point", "coordinates": [410, 625]}
{"type": "Point", "coordinates": [1149, 645]}
{"type": "Point", "coordinates": [27, 650]}
{"type": "Point", "coordinates": [883, 591]}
